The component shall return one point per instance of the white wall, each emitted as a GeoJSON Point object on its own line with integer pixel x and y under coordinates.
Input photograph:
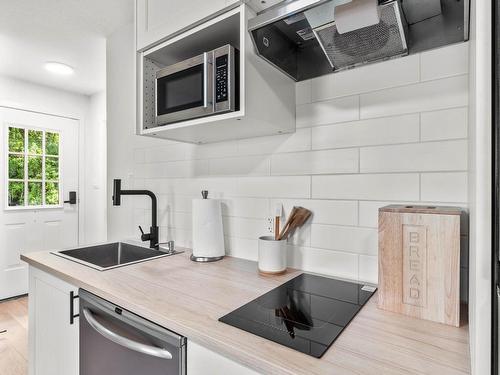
{"type": "Point", "coordinates": [480, 187]}
{"type": "Point", "coordinates": [390, 132]}
{"type": "Point", "coordinates": [121, 141]}
{"type": "Point", "coordinates": [95, 170]}
{"type": "Point", "coordinates": [19, 94]}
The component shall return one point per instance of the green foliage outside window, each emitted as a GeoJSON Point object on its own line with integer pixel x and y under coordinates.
{"type": "Point", "coordinates": [35, 193]}
{"type": "Point", "coordinates": [35, 141]}
{"type": "Point", "coordinates": [16, 193]}
{"type": "Point", "coordinates": [51, 168]}
{"type": "Point", "coordinates": [51, 193]}
{"type": "Point", "coordinates": [30, 191]}
{"type": "Point", "coordinates": [16, 140]}
{"type": "Point", "coordinates": [16, 167]}
{"type": "Point", "coordinates": [52, 143]}
{"type": "Point", "coordinates": [35, 167]}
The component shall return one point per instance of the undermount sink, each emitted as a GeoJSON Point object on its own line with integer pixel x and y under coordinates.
{"type": "Point", "coordinates": [111, 255]}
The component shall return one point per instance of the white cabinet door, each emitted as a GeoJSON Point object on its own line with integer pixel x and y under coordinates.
{"type": "Point", "coordinates": [202, 361]}
{"type": "Point", "coordinates": [53, 341]}
{"type": "Point", "coordinates": [157, 19]}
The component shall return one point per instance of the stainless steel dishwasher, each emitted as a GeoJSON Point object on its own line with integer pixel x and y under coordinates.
{"type": "Point", "coordinates": [114, 341]}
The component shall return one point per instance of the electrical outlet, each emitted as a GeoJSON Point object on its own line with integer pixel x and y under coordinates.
{"type": "Point", "coordinates": [270, 225]}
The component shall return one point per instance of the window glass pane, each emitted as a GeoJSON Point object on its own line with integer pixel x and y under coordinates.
{"type": "Point", "coordinates": [51, 168]}
{"type": "Point", "coordinates": [16, 167]}
{"type": "Point", "coordinates": [16, 193]}
{"type": "Point", "coordinates": [34, 193]}
{"type": "Point", "coordinates": [35, 167]}
{"type": "Point", "coordinates": [35, 142]}
{"type": "Point", "coordinates": [51, 143]}
{"type": "Point", "coordinates": [16, 139]}
{"type": "Point", "coordinates": [51, 193]}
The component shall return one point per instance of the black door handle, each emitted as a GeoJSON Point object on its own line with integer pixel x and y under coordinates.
{"type": "Point", "coordinates": [72, 198]}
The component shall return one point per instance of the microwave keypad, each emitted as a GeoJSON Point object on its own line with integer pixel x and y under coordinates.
{"type": "Point", "coordinates": [221, 79]}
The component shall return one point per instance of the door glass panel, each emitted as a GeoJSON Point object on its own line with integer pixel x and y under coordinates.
{"type": "Point", "coordinates": [181, 90]}
{"type": "Point", "coordinates": [16, 139]}
{"type": "Point", "coordinates": [35, 167]}
{"type": "Point", "coordinates": [51, 168]}
{"type": "Point", "coordinates": [16, 167]}
{"type": "Point", "coordinates": [35, 142]}
{"type": "Point", "coordinates": [51, 193]}
{"type": "Point", "coordinates": [51, 143]}
{"type": "Point", "coordinates": [34, 193]}
{"type": "Point", "coordinates": [16, 193]}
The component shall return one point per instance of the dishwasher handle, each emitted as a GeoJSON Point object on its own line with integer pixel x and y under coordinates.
{"type": "Point", "coordinates": [124, 341]}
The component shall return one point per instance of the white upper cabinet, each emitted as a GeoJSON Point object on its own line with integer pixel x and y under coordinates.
{"type": "Point", "coordinates": [264, 98]}
{"type": "Point", "coordinates": [159, 19]}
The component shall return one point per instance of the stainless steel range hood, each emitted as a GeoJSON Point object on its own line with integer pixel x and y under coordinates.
{"type": "Point", "coordinates": [301, 37]}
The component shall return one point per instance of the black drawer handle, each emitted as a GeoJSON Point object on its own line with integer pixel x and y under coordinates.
{"type": "Point", "coordinates": [72, 314]}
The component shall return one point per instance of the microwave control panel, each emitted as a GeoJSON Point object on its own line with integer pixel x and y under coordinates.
{"type": "Point", "coordinates": [221, 78]}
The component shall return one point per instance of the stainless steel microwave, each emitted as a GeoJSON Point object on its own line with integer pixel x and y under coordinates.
{"type": "Point", "coordinates": [201, 86]}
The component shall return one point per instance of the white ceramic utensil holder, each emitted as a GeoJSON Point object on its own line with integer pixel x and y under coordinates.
{"type": "Point", "coordinates": [272, 255]}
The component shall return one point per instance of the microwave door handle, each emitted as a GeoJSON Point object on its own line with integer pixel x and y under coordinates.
{"type": "Point", "coordinates": [124, 341]}
{"type": "Point", "coordinates": [205, 79]}
{"type": "Point", "coordinates": [206, 67]}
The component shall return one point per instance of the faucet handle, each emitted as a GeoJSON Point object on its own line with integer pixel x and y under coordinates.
{"type": "Point", "coordinates": [144, 236]}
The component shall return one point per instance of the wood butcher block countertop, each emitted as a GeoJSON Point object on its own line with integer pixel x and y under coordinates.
{"type": "Point", "coordinates": [189, 298]}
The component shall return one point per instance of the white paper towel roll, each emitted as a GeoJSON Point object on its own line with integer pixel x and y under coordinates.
{"type": "Point", "coordinates": [208, 236]}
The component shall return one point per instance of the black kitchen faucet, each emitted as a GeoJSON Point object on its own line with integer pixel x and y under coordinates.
{"type": "Point", "coordinates": [153, 235]}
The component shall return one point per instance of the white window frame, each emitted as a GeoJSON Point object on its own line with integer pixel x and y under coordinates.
{"type": "Point", "coordinates": [25, 179]}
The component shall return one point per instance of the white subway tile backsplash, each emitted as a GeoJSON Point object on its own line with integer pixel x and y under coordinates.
{"type": "Point", "coordinates": [349, 239]}
{"type": "Point", "coordinates": [444, 62]}
{"type": "Point", "coordinates": [298, 141]}
{"type": "Point", "coordinates": [444, 124]}
{"type": "Point", "coordinates": [427, 96]}
{"type": "Point", "coordinates": [395, 187]}
{"type": "Point", "coordinates": [303, 92]}
{"type": "Point", "coordinates": [174, 169]}
{"type": "Point", "coordinates": [368, 268]}
{"type": "Point", "coordinates": [386, 133]}
{"type": "Point", "coordinates": [397, 129]}
{"type": "Point", "coordinates": [392, 73]}
{"type": "Point", "coordinates": [257, 208]}
{"type": "Point", "coordinates": [328, 262]}
{"type": "Point", "coordinates": [328, 112]}
{"type": "Point", "coordinates": [316, 162]}
{"type": "Point", "coordinates": [241, 247]}
{"type": "Point", "coordinates": [169, 152]}
{"type": "Point", "coordinates": [212, 150]}
{"type": "Point", "coordinates": [431, 156]}
{"type": "Point", "coordinates": [324, 211]}
{"type": "Point", "coordinates": [139, 155]}
{"type": "Point", "coordinates": [275, 187]}
{"type": "Point", "coordinates": [444, 187]}
{"type": "Point", "coordinates": [258, 165]}
{"type": "Point", "coordinates": [244, 227]}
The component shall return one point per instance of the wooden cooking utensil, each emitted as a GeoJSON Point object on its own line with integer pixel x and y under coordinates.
{"type": "Point", "coordinates": [297, 218]}
{"type": "Point", "coordinates": [300, 217]}
{"type": "Point", "coordinates": [287, 224]}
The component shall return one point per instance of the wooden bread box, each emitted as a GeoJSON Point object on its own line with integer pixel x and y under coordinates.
{"type": "Point", "coordinates": [419, 262]}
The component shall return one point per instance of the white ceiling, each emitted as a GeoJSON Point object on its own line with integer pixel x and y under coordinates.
{"type": "Point", "coordinates": [69, 31]}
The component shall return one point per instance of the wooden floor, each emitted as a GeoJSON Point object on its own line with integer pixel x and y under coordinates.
{"type": "Point", "coordinates": [14, 342]}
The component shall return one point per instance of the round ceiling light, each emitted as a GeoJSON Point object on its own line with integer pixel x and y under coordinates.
{"type": "Point", "coordinates": [59, 68]}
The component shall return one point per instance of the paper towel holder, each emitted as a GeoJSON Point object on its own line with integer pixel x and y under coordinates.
{"type": "Point", "coordinates": [205, 257]}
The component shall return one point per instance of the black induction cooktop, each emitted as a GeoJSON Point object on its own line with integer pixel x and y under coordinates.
{"type": "Point", "coordinates": [306, 313]}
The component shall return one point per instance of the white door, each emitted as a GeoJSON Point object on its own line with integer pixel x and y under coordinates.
{"type": "Point", "coordinates": [39, 167]}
